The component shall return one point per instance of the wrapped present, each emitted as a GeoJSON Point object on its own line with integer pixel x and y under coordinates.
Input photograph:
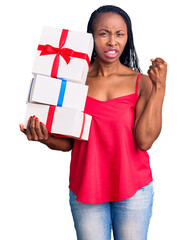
{"type": "Point", "coordinates": [60, 120]}
{"type": "Point", "coordinates": [61, 93]}
{"type": "Point", "coordinates": [64, 54]}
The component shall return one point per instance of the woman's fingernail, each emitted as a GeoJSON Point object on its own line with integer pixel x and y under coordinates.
{"type": "Point", "coordinates": [30, 117]}
{"type": "Point", "coordinates": [41, 122]}
{"type": "Point", "coordinates": [36, 118]}
{"type": "Point", "coordinates": [33, 116]}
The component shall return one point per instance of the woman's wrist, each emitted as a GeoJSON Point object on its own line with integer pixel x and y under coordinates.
{"type": "Point", "coordinates": [58, 143]}
{"type": "Point", "coordinates": [49, 142]}
{"type": "Point", "coordinates": [159, 89]}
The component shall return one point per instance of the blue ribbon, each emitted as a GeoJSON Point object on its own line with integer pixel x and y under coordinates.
{"type": "Point", "coordinates": [30, 90]}
{"type": "Point", "coordinates": [62, 92]}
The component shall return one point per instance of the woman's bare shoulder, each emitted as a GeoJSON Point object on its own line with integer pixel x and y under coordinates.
{"type": "Point", "coordinates": [145, 85]}
{"type": "Point", "coordinates": [127, 71]}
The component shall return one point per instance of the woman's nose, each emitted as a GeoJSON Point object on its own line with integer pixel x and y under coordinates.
{"type": "Point", "coordinates": [112, 40]}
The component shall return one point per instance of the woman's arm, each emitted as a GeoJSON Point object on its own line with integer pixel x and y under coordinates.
{"type": "Point", "coordinates": [148, 121]}
{"type": "Point", "coordinates": [37, 131]}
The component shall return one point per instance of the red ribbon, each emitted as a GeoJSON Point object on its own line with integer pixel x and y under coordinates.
{"type": "Point", "coordinates": [50, 117]}
{"type": "Point", "coordinates": [66, 53]}
{"type": "Point", "coordinates": [49, 122]}
{"type": "Point", "coordinates": [83, 123]}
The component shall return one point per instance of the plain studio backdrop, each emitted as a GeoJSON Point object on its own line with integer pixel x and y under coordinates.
{"type": "Point", "coordinates": [34, 194]}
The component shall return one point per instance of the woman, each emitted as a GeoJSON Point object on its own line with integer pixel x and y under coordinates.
{"type": "Point", "coordinates": [110, 176]}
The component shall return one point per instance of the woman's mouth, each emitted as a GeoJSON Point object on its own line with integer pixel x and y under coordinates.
{"type": "Point", "coordinates": [111, 53]}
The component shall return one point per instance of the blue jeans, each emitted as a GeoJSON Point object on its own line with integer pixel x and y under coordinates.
{"type": "Point", "coordinates": [129, 218]}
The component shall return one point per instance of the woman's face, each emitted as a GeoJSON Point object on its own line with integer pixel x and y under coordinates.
{"type": "Point", "coordinates": [110, 36]}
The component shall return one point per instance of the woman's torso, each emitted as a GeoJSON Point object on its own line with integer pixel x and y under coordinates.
{"type": "Point", "coordinates": [109, 166]}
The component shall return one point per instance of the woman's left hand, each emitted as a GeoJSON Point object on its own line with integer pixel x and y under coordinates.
{"type": "Point", "coordinates": [157, 72]}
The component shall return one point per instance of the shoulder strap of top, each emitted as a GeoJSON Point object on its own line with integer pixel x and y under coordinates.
{"type": "Point", "coordinates": [137, 82]}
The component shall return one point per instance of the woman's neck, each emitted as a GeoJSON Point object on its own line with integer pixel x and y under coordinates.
{"type": "Point", "coordinates": [106, 69]}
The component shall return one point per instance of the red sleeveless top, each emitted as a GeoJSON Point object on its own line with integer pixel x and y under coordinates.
{"type": "Point", "coordinates": [109, 166]}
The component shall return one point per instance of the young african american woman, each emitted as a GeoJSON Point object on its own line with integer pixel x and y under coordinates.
{"type": "Point", "coordinates": [111, 185]}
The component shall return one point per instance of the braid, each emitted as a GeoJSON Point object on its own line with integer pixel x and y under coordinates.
{"type": "Point", "coordinates": [129, 56]}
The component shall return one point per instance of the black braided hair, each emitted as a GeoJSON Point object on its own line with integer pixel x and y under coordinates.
{"type": "Point", "coordinates": [129, 56]}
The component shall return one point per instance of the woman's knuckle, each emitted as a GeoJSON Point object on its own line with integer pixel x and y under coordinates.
{"type": "Point", "coordinates": [41, 137]}
{"type": "Point", "coordinates": [35, 138]}
{"type": "Point", "coordinates": [46, 137]}
{"type": "Point", "coordinates": [37, 128]}
{"type": "Point", "coordinates": [32, 126]}
{"type": "Point", "coordinates": [29, 138]}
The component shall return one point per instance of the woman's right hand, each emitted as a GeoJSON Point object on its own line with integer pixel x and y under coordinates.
{"type": "Point", "coordinates": [36, 130]}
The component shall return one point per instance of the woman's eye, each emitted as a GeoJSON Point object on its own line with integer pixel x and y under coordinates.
{"type": "Point", "coordinates": [103, 34]}
{"type": "Point", "coordinates": [120, 34]}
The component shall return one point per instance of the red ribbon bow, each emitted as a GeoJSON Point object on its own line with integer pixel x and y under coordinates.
{"type": "Point", "coordinates": [66, 53]}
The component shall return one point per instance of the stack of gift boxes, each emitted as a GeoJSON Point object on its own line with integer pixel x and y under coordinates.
{"type": "Point", "coordinates": [57, 93]}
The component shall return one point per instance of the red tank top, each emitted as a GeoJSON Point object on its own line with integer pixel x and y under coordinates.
{"type": "Point", "coordinates": [109, 166]}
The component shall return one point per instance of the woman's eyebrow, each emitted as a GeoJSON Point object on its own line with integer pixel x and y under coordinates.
{"type": "Point", "coordinates": [121, 31]}
{"type": "Point", "coordinates": [106, 30]}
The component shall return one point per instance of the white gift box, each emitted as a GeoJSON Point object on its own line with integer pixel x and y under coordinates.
{"type": "Point", "coordinates": [58, 44]}
{"type": "Point", "coordinates": [53, 91]}
{"type": "Point", "coordinates": [60, 120]}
